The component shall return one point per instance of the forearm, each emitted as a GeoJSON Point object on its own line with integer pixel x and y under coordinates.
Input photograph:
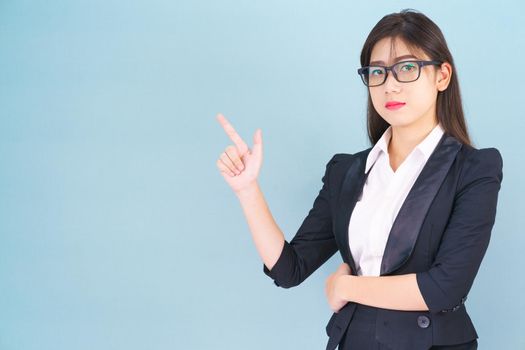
{"type": "Point", "coordinates": [267, 236]}
{"type": "Point", "coordinates": [399, 292]}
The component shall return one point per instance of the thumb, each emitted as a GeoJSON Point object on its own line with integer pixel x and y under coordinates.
{"type": "Point", "coordinates": [257, 148]}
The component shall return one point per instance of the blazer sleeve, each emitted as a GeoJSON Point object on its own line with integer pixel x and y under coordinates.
{"type": "Point", "coordinates": [446, 284]}
{"type": "Point", "coordinates": [312, 245]}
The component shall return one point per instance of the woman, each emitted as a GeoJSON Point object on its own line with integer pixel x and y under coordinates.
{"type": "Point", "coordinates": [411, 216]}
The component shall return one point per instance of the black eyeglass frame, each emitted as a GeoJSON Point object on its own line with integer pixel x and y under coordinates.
{"type": "Point", "coordinates": [420, 63]}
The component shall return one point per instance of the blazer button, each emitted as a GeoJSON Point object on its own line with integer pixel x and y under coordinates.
{"type": "Point", "coordinates": [423, 321]}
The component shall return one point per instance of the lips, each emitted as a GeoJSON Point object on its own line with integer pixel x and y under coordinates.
{"type": "Point", "coordinates": [394, 104]}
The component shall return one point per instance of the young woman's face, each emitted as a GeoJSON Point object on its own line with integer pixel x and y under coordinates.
{"type": "Point", "coordinates": [419, 96]}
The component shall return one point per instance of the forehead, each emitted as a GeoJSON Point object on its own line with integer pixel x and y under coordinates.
{"type": "Point", "coordinates": [388, 50]}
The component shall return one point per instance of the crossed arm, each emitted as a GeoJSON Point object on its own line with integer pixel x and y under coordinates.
{"type": "Point", "coordinates": [400, 292]}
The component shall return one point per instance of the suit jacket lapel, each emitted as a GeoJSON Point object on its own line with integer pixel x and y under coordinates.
{"type": "Point", "coordinates": [409, 219]}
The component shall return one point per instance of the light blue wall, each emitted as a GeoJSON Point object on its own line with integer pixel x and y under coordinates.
{"type": "Point", "coordinates": [116, 229]}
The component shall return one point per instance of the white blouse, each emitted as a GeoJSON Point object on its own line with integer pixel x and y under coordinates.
{"type": "Point", "coordinates": [383, 194]}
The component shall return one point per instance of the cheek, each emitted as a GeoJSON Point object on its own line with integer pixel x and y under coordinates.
{"type": "Point", "coordinates": [425, 92]}
{"type": "Point", "coordinates": [424, 97]}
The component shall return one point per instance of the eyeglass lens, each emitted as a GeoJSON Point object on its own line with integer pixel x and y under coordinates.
{"type": "Point", "coordinates": [404, 71]}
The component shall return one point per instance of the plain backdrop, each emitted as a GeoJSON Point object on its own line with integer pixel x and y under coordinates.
{"type": "Point", "coordinates": [117, 230]}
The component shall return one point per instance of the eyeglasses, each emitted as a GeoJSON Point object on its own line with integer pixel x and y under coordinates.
{"type": "Point", "coordinates": [404, 72]}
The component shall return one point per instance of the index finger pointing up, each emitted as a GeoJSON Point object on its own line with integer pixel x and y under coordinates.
{"type": "Point", "coordinates": [230, 131]}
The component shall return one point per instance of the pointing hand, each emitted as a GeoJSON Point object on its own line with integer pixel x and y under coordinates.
{"type": "Point", "coordinates": [238, 164]}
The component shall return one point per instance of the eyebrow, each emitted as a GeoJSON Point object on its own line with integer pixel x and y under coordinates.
{"type": "Point", "coordinates": [397, 59]}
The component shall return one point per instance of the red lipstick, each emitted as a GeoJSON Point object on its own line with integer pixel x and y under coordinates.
{"type": "Point", "coordinates": [393, 105]}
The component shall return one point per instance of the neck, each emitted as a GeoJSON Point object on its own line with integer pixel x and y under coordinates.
{"type": "Point", "coordinates": [405, 138]}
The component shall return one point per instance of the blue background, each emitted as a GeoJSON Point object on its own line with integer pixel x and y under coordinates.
{"type": "Point", "coordinates": [117, 230]}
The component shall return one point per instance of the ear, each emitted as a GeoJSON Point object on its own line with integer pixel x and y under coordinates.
{"type": "Point", "coordinates": [443, 76]}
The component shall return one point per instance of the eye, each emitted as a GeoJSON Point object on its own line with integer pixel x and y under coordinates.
{"type": "Point", "coordinates": [376, 71]}
{"type": "Point", "coordinates": [408, 67]}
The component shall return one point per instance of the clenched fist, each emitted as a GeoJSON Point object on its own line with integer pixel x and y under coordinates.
{"type": "Point", "coordinates": [332, 289]}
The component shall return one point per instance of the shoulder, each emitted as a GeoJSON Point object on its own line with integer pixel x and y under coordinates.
{"type": "Point", "coordinates": [339, 163]}
{"type": "Point", "coordinates": [480, 163]}
{"type": "Point", "coordinates": [346, 158]}
{"type": "Point", "coordinates": [483, 155]}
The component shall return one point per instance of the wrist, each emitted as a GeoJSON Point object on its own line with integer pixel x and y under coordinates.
{"type": "Point", "coordinates": [248, 192]}
{"type": "Point", "coordinates": [343, 287]}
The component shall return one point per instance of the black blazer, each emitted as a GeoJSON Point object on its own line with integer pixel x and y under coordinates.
{"type": "Point", "coordinates": [441, 233]}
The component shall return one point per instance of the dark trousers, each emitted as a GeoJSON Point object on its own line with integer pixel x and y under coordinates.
{"type": "Point", "coordinates": [360, 334]}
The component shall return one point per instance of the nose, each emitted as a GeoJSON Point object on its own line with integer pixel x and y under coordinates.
{"type": "Point", "coordinates": [391, 84]}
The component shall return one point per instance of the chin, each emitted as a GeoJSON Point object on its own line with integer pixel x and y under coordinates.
{"type": "Point", "coordinates": [398, 121]}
